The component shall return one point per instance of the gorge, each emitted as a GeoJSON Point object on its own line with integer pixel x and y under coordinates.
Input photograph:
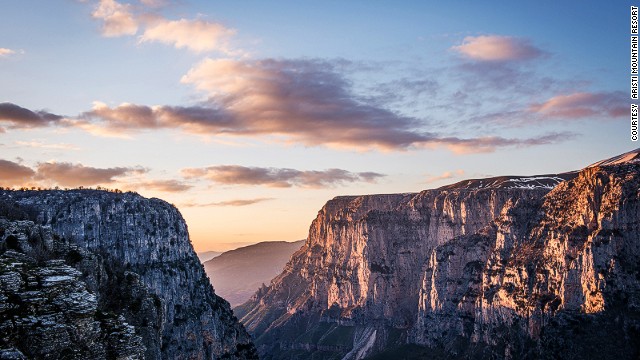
{"type": "Point", "coordinates": [507, 268]}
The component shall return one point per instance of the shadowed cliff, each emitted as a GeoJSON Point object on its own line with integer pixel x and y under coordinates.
{"type": "Point", "coordinates": [134, 256]}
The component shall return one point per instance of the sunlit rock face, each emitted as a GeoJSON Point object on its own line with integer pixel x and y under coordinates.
{"type": "Point", "coordinates": [504, 267]}
{"type": "Point", "coordinates": [561, 272]}
{"type": "Point", "coordinates": [148, 273]}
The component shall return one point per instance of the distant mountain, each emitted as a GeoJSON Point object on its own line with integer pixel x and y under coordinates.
{"type": "Point", "coordinates": [208, 255]}
{"type": "Point", "coordinates": [237, 274]}
{"type": "Point", "coordinates": [223, 247]}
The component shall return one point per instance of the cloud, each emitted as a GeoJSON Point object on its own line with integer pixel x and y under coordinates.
{"type": "Point", "coordinates": [497, 48]}
{"type": "Point", "coordinates": [122, 19]}
{"type": "Point", "coordinates": [122, 119]}
{"type": "Point", "coordinates": [310, 102]}
{"type": "Point", "coordinates": [491, 143]}
{"type": "Point", "coordinates": [598, 106]}
{"type": "Point", "coordinates": [163, 185]}
{"type": "Point", "coordinates": [75, 175]}
{"type": "Point", "coordinates": [490, 65]}
{"type": "Point", "coordinates": [405, 91]}
{"type": "Point", "coordinates": [19, 117]}
{"type": "Point", "coordinates": [117, 19]}
{"type": "Point", "coordinates": [67, 174]}
{"type": "Point", "coordinates": [291, 101]}
{"type": "Point", "coordinates": [42, 145]}
{"type": "Point", "coordinates": [4, 52]}
{"type": "Point", "coordinates": [154, 3]}
{"type": "Point", "coordinates": [369, 176]}
{"type": "Point", "coordinates": [497, 79]}
{"type": "Point", "coordinates": [305, 101]}
{"type": "Point", "coordinates": [582, 105]}
{"type": "Point", "coordinates": [236, 202]}
{"type": "Point", "coordinates": [195, 35]}
{"type": "Point", "coordinates": [12, 173]}
{"type": "Point", "coordinates": [278, 177]}
{"type": "Point", "coordinates": [446, 175]}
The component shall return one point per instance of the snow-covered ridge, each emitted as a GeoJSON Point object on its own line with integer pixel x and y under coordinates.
{"type": "Point", "coordinates": [632, 156]}
{"type": "Point", "coordinates": [512, 182]}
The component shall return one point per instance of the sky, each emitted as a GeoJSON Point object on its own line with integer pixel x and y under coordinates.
{"type": "Point", "coordinates": [249, 115]}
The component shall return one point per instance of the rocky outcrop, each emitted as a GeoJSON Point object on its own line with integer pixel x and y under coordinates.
{"type": "Point", "coordinates": [135, 256]}
{"type": "Point", "coordinates": [47, 310]}
{"type": "Point", "coordinates": [489, 268]}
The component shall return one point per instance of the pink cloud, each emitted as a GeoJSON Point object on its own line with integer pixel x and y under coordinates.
{"type": "Point", "coordinates": [12, 173]}
{"type": "Point", "coordinates": [195, 35]}
{"type": "Point", "coordinates": [582, 105]}
{"type": "Point", "coordinates": [278, 177]}
{"type": "Point", "coordinates": [497, 48]}
{"type": "Point", "coordinates": [6, 52]}
{"type": "Point", "coordinates": [68, 174]}
{"type": "Point", "coordinates": [290, 101]}
{"type": "Point", "coordinates": [235, 202]}
{"type": "Point", "coordinates": [47, 174]}
{"type": "Point", "coordinates": [161, 185]}
{"type": "Point", "coordinates": [446, 175]}
{"type": "Point", "coordinates": [122, 19]}
{"type": "Point", "coordinates": [117, 19]}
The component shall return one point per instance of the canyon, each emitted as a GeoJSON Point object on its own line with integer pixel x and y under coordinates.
{"type": "Point", "coordinates": [510, 267]}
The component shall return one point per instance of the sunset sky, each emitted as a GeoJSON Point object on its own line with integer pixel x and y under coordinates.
{"type": "Point", "coordinates": [250, 115]}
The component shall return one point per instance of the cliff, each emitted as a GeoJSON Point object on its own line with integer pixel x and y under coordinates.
{"type": "Point", "coordinates": [47, 310]}
{"type": "Point", "coordinates": [134, 257]}
{"type": "Point", "coordinates": [507, 267]}
{"type": "Point", "coordinates": [556, 276]}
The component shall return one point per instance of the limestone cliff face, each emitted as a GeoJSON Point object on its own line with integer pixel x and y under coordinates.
{"type": "Point", "coordinates": [144, 246]}
{"type": "Point", "coordinates": [354, 287]}
{"type": "Point", "coordinates": [47, 310]}
{"type": "Point", "coordinates": [556, 275]}
{"type": "Point", "coordinates": [491, 268]}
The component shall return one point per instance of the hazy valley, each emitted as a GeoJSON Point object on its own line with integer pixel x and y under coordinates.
{"type": "Point", "coordinates": [237, 274]}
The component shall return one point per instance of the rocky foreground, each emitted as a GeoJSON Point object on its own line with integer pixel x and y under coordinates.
{"type": "Point", "coordinates": [89, 274]}
{"type": "Point", "coordinates": [503, 268]}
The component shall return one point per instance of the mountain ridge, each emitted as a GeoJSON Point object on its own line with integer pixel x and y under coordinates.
{"type": "Point", "coordinates": [237, 274]}
{"type": "Point", "coordinates": [207, 255]}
